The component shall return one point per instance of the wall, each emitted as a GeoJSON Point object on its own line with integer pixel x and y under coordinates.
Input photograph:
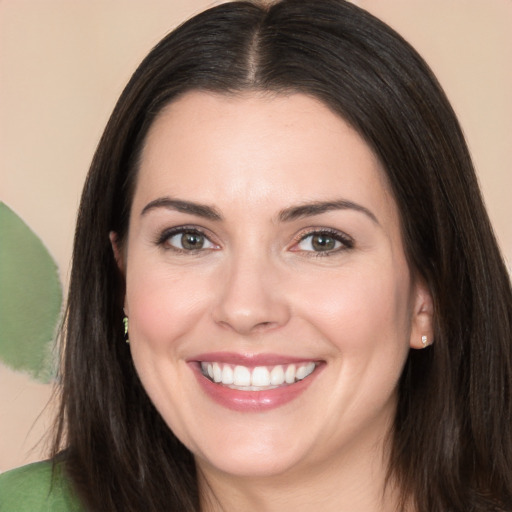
{"type": "Point", "coordinates": [63, 64]}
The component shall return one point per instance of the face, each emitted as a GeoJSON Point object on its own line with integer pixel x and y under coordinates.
{"type": "Point", "coordinates": [270, 304]}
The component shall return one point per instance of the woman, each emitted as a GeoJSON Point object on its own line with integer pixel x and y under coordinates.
{"type": "Point", "coordinates": [283, 212]}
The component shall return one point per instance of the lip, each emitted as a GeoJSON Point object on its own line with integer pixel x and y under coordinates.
{"type": "Point", "coordinates": [249, 360]}
{"type": "Point", "coordinates": [252, 401]}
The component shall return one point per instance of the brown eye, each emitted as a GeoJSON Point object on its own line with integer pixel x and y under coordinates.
{"type": "Point", "coordinates": [192, 241]}
{"type": "Point", "coordinates": [323, 242]}
{"type": "Point", "coordinates": [186, 240]}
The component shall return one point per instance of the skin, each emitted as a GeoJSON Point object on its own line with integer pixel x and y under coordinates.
{"type": "Point", "coordinates": [259, 285]}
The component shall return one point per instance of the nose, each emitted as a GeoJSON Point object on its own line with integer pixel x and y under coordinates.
{"type": "Point", "coordinates": [251, 299]}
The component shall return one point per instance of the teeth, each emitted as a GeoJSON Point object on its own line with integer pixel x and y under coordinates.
{"type": "Point", "coordinates": [227, 374]}
{"type": "Point", "coordinates": [277, 375]}
{"type": "Point", "coordinates": [217, 373]}
{"type": "Point", "coordinates": [260, 376]}
{"type": "Point", "coordinates": [242, 377]}
{"type": "Point", "coordinates": [289, 374]}
{"type": "Point", "coordinates": [304, 371]}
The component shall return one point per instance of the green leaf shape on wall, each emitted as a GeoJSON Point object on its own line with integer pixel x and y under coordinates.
{"type": "Point", "coordinates": [30, 299]}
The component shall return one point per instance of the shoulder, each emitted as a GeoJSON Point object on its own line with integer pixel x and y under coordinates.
{"type": "Point", "coordinates": [39, 487]}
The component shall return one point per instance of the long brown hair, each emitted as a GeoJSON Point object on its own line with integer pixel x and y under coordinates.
{"type": "Point", "coordinates": [452, 442]}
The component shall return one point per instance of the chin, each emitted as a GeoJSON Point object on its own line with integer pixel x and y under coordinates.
{"type": "Point", "coordinates": [244, 464]}
{"type": "Point", "coordinates": [256, 451]}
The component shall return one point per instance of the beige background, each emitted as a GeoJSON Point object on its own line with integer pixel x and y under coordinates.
{"type": "Point", "coordinates": [63, 64]}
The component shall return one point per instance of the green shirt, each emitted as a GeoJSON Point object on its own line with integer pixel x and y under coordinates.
{"type": "Point", "coordinates": [32, 489]}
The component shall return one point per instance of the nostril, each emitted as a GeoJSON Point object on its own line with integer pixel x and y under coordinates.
{"type": "Point", "coordinates": [248, 309]}
{"type": "Point", "coordinates": [248, 328]}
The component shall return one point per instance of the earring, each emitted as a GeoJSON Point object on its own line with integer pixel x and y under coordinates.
{"type": "Point", "coordinates": [424, 340]}
{"type": "Point", "coordinates": [125, 322]}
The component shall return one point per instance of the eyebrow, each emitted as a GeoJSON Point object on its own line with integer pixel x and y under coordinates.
{"type": "Point", "coordinates": [287, 215]}
{"type": "Point", "coordinates": [200, 210]}
{"type": "Point", "coordinates": [319, 207]}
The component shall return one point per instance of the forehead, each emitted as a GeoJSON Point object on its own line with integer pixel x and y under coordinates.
{"type": "Point", "coordinates": [257, 148]}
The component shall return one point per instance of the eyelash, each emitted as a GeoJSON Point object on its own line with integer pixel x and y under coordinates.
{"type": "Point", "coordinates": [345, 241]}
{"type": "Point", "coordinates": [163, 239]}
{"type": "Point", "coordinates": [338, 236]}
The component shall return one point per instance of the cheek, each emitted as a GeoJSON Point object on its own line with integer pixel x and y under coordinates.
{"type": "Point", "coordinates": [366, 321]}
{"type": "Point", "coordinates": [163, 305]}
{"type": "Point", "coordinates": [360, 309]}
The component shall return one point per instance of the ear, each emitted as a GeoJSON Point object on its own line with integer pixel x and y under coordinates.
{"type": "Point", "coordinates": [422, 325]}
{"type": "Point", "coordinates": [118, 253]}
{"type": "Point", "coordinates": [120, 259]}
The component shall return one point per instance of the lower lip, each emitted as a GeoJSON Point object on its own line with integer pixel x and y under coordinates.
{"type": "Point", "coordinates": [253, 401]}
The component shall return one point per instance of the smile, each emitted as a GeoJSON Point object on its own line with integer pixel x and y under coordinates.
{"type": "Point", "coordinates": [259, 378]}
{"type": "Point", "coordinates": [249, 383]}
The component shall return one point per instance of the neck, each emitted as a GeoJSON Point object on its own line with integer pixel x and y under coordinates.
{"type": "Point", "coordinates": [353, 480]}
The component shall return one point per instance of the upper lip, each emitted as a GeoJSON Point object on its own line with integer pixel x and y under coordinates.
{"type": "Point", "coordinates": [250, 360]}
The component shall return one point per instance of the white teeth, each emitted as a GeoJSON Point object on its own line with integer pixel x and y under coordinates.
{"type": "Point", "coordinates": [304, 371]}
{"type": "Point", "coordinates": [277, 375]}
{"type": "Point", "coordinates": [241, 376]}
{"type": "Point", "coordinates": [207, 369]}
{"type": "Point", "coordinates": [258, 377]}
{"type": "Point", "coordinates": [301, 372]}
{"type": "Point", "coordinates": [217, 372]}
{"type": "Point", "coordinates": [289, 374]}
{"type": "Point", "coordinates": [227, 374]}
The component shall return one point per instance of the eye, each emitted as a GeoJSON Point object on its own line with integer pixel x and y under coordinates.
{"type": "Point", "coordinates": [186, 240]}
{"type": "Point", "coordinates": [324, 241]}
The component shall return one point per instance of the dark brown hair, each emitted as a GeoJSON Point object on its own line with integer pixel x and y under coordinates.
{"type": "Point", "coordinates": [451, 448]}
